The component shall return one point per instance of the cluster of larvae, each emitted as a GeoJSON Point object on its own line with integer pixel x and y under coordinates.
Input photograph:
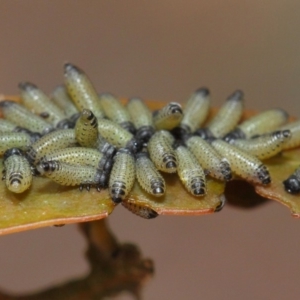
{"type": "Point", "coordinates": [76, 137]}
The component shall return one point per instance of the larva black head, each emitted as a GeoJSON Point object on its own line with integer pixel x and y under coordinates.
{"type": "Point", "coordinates": [65, 124]}
{"type": "Point", "coordinates": [226, 170]}
{"type": "Point", "coordinates": [292, 185]}
{"type": "Point", "coordinates": [198, 187]}
{"type": "Point", "coordinates": [238, 95]}
{"type": "Point", "coordinates": [282, 134]}
{"type": "Point", "coordinates": [142, 154]}
{"type": "Point", "coordinates": [203, 91]}
{"type": "Point", "coordinates": [128, 126]}
{"type": "Point", "coordinates": [108, 150]}
{"type": "Point", "coordinates": [180, 132]}
{"type": "Point", "coordinates": [34, 136]}
{"type": "Point", "coordinates": [10, 152]}
{"type": "Point", "coordinates": [175, 108]}
{"type": "Point", "coordinates": [27, 86]}
{"type": "Point", "coordinates": [144, 133]}
{"type": "Point", "coordinates": [47, 166]}
{"type": "Point", "coordinates": [74, 118]}
{"type": "Point", "coordinates": [134, 145]}
{"type": "Point", "coordinates": [70, 68]}
{"type": "Point", "coordinates": [6, 103]}
{"type": "Point", "coordinates": [157, 188]}
{"type": "Point", "coordinates": [204, 133]}
{"type": "Point", "coordinates": [234, 135]}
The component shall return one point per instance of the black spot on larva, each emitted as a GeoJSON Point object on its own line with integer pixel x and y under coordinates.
{"type": "Point", "coordinates": [292, 185]}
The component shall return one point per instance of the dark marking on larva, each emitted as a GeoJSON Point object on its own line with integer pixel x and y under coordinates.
{"type": "Point", "coordinates": [140, 210]}
{"type": "Point", "coordinates": [292, 183]}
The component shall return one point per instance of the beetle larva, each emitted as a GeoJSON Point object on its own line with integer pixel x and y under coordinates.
{"type": "Point", "coordinates": [161, 152]}
{"type": "Point", "coordinates": [80, 156]}
{"type": "Point", "coordinates": [70, 175]}
{"type": "Point", "coordinates": [22, 117]}
{"type": "Point", "coordinates": [264, 122]}
{"type": "Point", "coordinates": [7, 126]}
{"type": "Point", "coordinates": [81, 90]}
{"type": "Point", "coordinates": [140, 210]}
{"type": "Point", "coordinates": [9, 140]}
{"type": "Point", "coordinates": [122, 175]}
{"type": "Point", "coordinates": [168, 117]}
{"type": "Point", "coordinates": [196, 110]}
{"type": "Point", "coordinates": [116, 112]}
{"type": "Point", "coordinates": [190, 172]}
{"type": "Point", "coordinates": [118, 136]}
{"type": "Point", "coordinates": [86, 129]}
{"type": "Point", "coordinates": [55, 140]}
{"type": "Point", "coordinates": [209, 159]}
{"type": "Point", "coordinates": [243, 164]}
{"type": "Point", "coordinates": [17, 171]}
{"type": "Point", "coordinates": [226, 118]}
{"type": "Point", "coordinates": [147, 175]}
{"type": "Point", "coordinates": [37, 102]}
{"type": "Point", "coordinates": [141, 117]}
{"type": "Point", "coordinates": [62, 99]}
{"type": "Point", "coordinates": [292, 183]}
{"type": "Point", "coordinates": [264, 146]}
{"type": "Point", "coordinates": [294, 141]}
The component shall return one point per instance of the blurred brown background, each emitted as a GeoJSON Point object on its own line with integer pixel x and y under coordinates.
{"type": "Point", "coordinates": [164, 50]}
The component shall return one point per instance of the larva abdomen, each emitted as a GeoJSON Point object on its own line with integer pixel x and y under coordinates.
{"type": "Point", "coordinates": [209, 159]}
{"type": "Point", "coordinates": [265, 146]}
{"type": "Point", "coordinates": [243, 164]}
{"type": "Point", "coordinates": [140, 210]}
{"type": "Point", "coordinates": [262, 123]}
{"type": "Point", "coordinates": [122, 175]}
{"type": "Point", "coordinates": [68, 174]}
{"type": "Point", "coordinates": [116, 112]}
{"type": "Point", "coordinates": [22, 117]}
{"type": "Point", "coordinates": [86, 129]}
{"type": "Point", "coordinates": [190, 172]}
{"type": "Point", "coordinates": [55, 140]}
{"type": "Point", "coordinates": [226, 118]}
{"type": "Point", "coordinates": [148, 176]}
{"type": "Point", "coordinates": [82, 90]}
{"type": "Point", "coordinates": [141, 117]}
{"type": "Point", "coordinates": [196, 110]}
{"type": "Point", "coordinates": [161, 152]}
{"type": "Point", "coordinates": [37, 102]}
{"type": "Point", "coordinates": [14, 140]}
{"type": "Point", "coordinates": [17, 171]}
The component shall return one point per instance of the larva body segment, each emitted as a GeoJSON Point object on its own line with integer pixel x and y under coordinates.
{"type": "Point", "coordinates": [161, 153]}
{"type": "Point", "coordinates": [62, 99]}
{"type": "Point", "coordinates": [17, 171]}
{"type": "Point", "coordinates": [294, 141]}
{"type": "Point", "coordinates": [86, 129]}
{"type": "Point", "coordinates": [39, 103]}
{"type": "Point", "coordinates": [196, 110]}
{"type": "Point", "coordinates": [22, 117]}
{"type": "Point", "coordinates": [122, 175]}
{"type": "Point", "coordinates": [140, 210]}
{"type": "Point", "coordinates": [141, 117]}
{"type": "Point", "coordinates": [116, 112]}
{"type": "Point", "coordinates": [68, 174]}
{"type": "Point", "coordinates": [148, 176]}
{"type": "Point", "coordinates": [117, 136]}
{"type": "Point", "coordinates": [292, 183]}
{"type": "Point", "coordinates": [9, 140]}
{"type": "Point", "coordinates": [190, 172]}
{"type": "Point", "coordinates": [243, 164]}
{"type": "Point", "coordinates": [55, 140]}
{"type": "Point", "coordinates": [209, 159]}
{"type": "Point", "coordinates": [264, 146]}
{"type": "Point", "coordinates": [226, 118]}
{"type": "Point", "coordinates": [262, 123]}
{"type": "Point", "coordinates": [168, 117]}
{"type": "Point", "coordinates": [7, 126]}
{"type": "Point", "coordinates": [82, 90]}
